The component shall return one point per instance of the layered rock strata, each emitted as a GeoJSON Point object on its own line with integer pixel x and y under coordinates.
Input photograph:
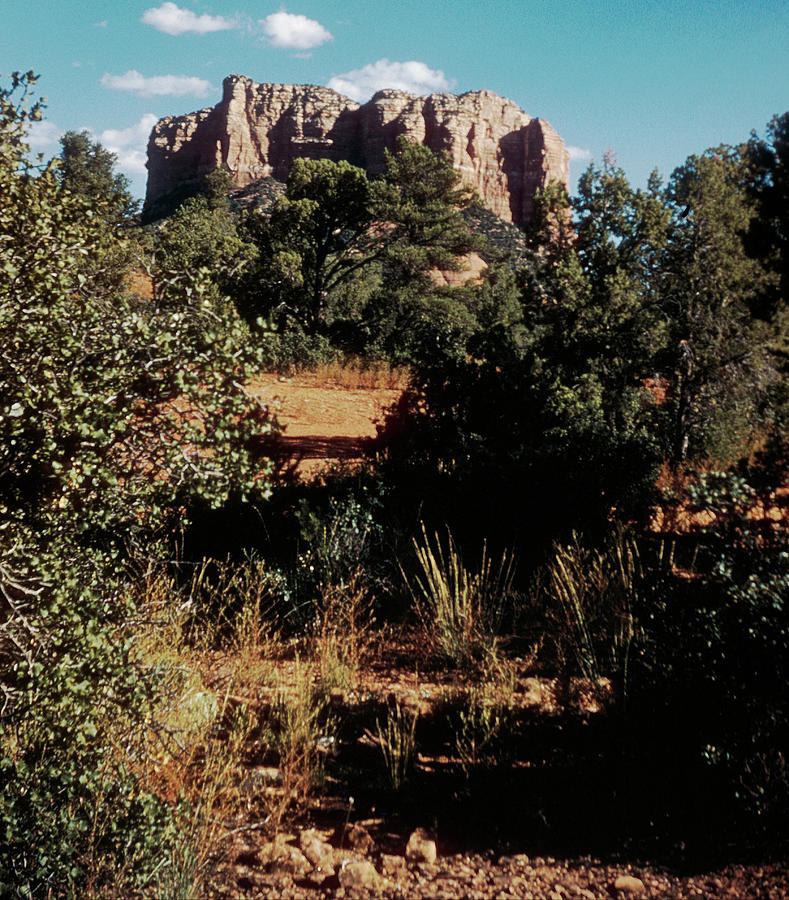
{"type": "Point", "coordinates": [257, 130]}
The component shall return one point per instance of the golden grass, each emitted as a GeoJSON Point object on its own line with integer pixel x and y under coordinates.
{"type": "Point", "coordinates": [355, 373]}
{"type": "Point", "coordinates": [460, 609]}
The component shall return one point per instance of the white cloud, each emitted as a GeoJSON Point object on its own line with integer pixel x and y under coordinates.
{"type": "Point", "coordinates": [157, 85]}
{"type": "Point", "coordinates": [113, 139]}
{"type": "Point", "coordinates": [294, 32]}
{"type": "Point", "coordinates": [412, 77]}
{"type": "Point", "coordinates": [130, 144]}
{"type": "Point", "coordinates": [43, 134]}
{"type": "Point", "coordinates": [171, 19]}
{"type": "Point", "coordinates": [577, 154]}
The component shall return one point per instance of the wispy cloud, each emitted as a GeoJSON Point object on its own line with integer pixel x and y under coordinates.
{"type": "Point", "coordinates": [158, 85]}
{"type": "Point", "coordinates": [577, 154]}
{"type": "Point", "coordinates": [130, 144]}
{"type": "Point", "coordinates": [43, 134]}
{"type": "Point", "coordinates": [289, 31]}
{"type": "Point", "coordinates": [171, 19]}
{"type": "Point", "coordinates": [412, 77]}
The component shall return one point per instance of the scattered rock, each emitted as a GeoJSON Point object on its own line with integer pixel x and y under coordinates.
{"type": "Point", "coordinates": [320, 878]}
{"type": "Point", "coordinates": [317, 851]}
{"type": "Point", "coordinates": [357, 874]}
{"type": "Point", "coordinates": [392, 865]}
{"type": "Point", "coordinates": [260, 778]}
{"type": "Point", "coordinates": [420, 848]}
{"type": "Point", "coordinates": [519, 860]}
{"type": "Point", "coordinates": [358, 838]}
{"type": "Point", "coordinates": [628, 884]}
{"type": "Point", "coordinates": [286, 859]}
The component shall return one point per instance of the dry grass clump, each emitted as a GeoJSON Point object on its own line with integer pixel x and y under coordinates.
{"type": "Point", "coordinates": [589, 596]}
{"type": "Point", "coordinates": [397, 740]}
{"type": "Point", "coordinates": [235, 739]}
{"type": "Point", "coordinates": [341, 634]}
{"type": "Point", "coordinates": [355, 373]}
{"type": "Point", "coordinates": [461, 610]}
{"type": "Point", "coordinates": [481, 724]}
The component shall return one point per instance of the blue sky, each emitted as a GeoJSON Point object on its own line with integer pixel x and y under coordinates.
{"type": "Point", "coordinates": [652, 81]}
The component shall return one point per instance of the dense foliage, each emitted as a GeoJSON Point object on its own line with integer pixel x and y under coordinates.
{"type": "Point", "coordinates": [622, 361]}
{"type": "Point", "coordinates": [118, 416]}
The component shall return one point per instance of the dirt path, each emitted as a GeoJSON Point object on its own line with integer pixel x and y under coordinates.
{"type": "Point", "coordinates": [323, 421]}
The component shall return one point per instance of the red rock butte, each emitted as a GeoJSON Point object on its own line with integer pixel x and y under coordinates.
{"type": "Point", "coordinates": [257, 130]}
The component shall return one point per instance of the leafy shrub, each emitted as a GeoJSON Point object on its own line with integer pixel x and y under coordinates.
{"type": "Point", "coordinates": [118, 417]}
{"type": "Point", "coordinates": [74, 816]}
{"type": "Point", "coordinates": [293, 350]}
{"type": "Point", "coordinates": [713, 656]}
{"type": "Point", "coordinates": [340, 540]}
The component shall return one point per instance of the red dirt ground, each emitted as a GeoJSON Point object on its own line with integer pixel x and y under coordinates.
{"type": "Point", "coordinates": [324, 422]}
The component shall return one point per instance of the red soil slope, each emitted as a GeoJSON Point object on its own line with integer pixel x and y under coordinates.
{"type": "Point", "coordinates": [323, 421]}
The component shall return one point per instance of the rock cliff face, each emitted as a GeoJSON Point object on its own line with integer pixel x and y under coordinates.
{"type": "Point", "coordinates": [257, 130]}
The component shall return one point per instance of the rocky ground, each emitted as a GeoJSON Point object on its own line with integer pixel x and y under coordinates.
{"type": "Point", "coordinates": [484, 838]}
{"type": "Point", "coordinates": [312, 864]}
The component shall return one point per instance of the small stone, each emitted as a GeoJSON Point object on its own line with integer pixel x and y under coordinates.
{"type": "Point", "coordinates": [286, 859]}
{"type": "Point", "coordinates": [319, 853]}
{"type": "Point", "coordinates": [628, 884]}
{"type": "Point", "coordinates": [519, 860]}
{"type": "Point", "coordinates": [391, 865]}
{"type": "Point", "coordinates": [420, 848]}
{"type": "Point", "coordinates": [428, 870]}
{"type": "Point", "coordinates": [260, 778]}
{"type": "Point", "coordinates": [358, 838]}
{"type": "Point", "coordinates": [357, 874]}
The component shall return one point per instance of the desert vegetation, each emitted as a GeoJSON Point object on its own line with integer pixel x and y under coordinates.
{"type": "Point", "coordinates": [547, 614]}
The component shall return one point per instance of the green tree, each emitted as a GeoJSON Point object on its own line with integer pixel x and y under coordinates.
{"type": "Point", "coordinates": [88, 170]}
{"type": "Point", "coordinates": [719, 357]}
{"type": "Point", "coordinates": [336, 236]}
{"type": "Point", "coordinates": [422, 196]}
{"type": "Point", "coordinates": [547, 424]}
{"type": "Point", "coordinates": [589, 290]}
{"type": "Point", "coordinates": [202, 235]}
{"type": "Point", "coordinates": [768, 238]}
{"type": "Point", "coordinates": [316, 239]}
